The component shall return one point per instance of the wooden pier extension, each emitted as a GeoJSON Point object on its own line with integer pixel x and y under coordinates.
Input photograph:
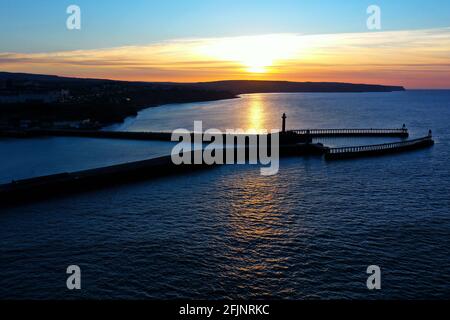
{"type": "Point", "coordinates": [379, 149]}
{"type": "Point", "coordinates": [322, 133]}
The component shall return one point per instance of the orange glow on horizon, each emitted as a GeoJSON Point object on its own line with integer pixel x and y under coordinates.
{"type": "Point", "coordinates": [414, 59]}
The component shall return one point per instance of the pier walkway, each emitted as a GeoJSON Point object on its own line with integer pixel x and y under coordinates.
{"type": "Point", "coordinates": [167, 135]}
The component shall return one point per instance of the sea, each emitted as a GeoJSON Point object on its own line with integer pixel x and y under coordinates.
{"type": "Point", "coordinates": [309, 232]}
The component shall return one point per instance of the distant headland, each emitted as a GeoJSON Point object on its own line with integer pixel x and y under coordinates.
{"type": "Point", "coordinates": [32, 100]}
{"type": "Point", "coordinates": [261, 86]}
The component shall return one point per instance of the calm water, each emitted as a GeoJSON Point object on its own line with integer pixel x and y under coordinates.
{"type": "Point", "coordinates": [26, 158]}
{"type": "Point", "coordinates": [308, 232]}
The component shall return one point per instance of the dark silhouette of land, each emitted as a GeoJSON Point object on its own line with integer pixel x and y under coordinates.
{"type": "Point", "coordinates": [254, 86]}
{"type": "Point", "coordinates": [31, 100]}
{"type": "Point", "coordinates": [44, 100]}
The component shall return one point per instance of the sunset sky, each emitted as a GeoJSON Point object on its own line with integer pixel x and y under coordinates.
{"type": "Point", "coordinates": [203, 40]}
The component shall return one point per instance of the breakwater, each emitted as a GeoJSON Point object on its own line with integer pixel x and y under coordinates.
{"type": "Point", "coordinates": [21, 191]}
{"type": "Point", "coordinates": [291, 144]}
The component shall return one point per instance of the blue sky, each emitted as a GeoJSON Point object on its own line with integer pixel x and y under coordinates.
{"type": "Point", "coordinates": [39, 26]}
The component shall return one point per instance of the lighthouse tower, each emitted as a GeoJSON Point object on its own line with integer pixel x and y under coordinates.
{"type": "Point", "coordinates": [284, 123]}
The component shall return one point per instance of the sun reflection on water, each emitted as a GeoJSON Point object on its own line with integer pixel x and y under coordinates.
{"type": "Point", "coordinates": [258, 225]}
{"type": "Point", "coordinates": [256, 115]}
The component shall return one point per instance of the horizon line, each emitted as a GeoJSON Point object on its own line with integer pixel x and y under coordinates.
{"type": "Point", "coordinates": [212, 81]}
{"type": "Point", "coordinates": [395, 58]}
{"type": "Point", "coordinates": [223, 80]}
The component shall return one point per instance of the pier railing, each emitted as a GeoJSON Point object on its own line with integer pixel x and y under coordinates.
{"type": "Point", "coordinates": [353, 132]}
{"type": "Point", "coordinates": [378, 147]}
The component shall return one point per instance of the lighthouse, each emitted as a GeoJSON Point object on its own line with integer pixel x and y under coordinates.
{"type": "Point", "coordinates": [284, 123]}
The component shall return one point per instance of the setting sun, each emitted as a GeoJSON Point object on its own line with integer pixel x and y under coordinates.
{"type": "Point", "coordinates": [255, 54]}
{"type": "Point", "coordinates": [255, 68]}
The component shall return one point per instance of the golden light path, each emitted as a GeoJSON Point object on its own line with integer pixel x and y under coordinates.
{"type": "Point", "coordinates": [256, 114]}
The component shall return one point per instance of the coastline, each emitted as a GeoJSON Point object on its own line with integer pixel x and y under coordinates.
{"type": "Point", "coordinates": [42, 101]}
